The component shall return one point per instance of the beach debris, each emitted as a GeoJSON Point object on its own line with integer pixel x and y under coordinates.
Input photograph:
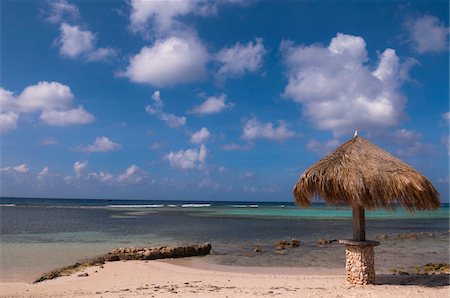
{"type": "Point", "coordinates": [408, 236]}
{"type": "Point", "coordinates": [257, 248]}
{"type": "Point", "coordinates": [284, 244]}
{"type": "Point", "coordinates": [382, 237]}
{"type": "Point", "coordinates": [132, 253]}
{"type": "Point", "coordinates": [85, 274]}
{"type": "Point", "coordinates": [280, 252]}
{"type": "Point", "coordinates": [323, 241]}
{"type": "Point", "coordinates": [413, 236]}
{"type": "Point", "coordinates": [427, 269]}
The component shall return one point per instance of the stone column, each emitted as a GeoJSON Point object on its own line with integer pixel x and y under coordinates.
{"type": "Point", "coordinates": [360, 261]}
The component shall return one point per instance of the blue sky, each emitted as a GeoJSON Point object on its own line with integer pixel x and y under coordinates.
{"type": "Point", "coordinates": [214, 100]}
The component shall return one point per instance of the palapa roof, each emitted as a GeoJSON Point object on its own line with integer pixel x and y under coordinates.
{"type": "Point", "coordinates": [358, 173]}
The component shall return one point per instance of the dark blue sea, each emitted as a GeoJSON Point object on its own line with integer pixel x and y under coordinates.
{"type": "Point", "coordinates": [38, 235]}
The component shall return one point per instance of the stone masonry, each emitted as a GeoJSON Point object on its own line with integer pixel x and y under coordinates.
{"type": "Point", "coordinates": [360, 264]}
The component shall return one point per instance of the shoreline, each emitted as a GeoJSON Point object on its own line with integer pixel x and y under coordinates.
{"type": "Point", "coordinates": [192, 277]}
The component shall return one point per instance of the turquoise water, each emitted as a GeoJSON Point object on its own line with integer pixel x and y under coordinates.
{"type": "Point", "coordinates": [38, 235]}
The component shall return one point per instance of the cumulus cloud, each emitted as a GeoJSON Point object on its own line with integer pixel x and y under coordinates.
{"type": "Point", "coordinates": [428, 34]}
{"type": "Point", "coordinates": [66, 118]}
{"type": "Point", "coordinates": [322, 148]}
{"type": "Point", "coordinates": [43, 173]}
{"type": "Point", "coordinates": [169, 61]}
{"type": "Point", "coordinates": [187, 159]}
{"type": "Point", "coordinates": [131, 175]}
{"type": "Point", "coordinates": [75, 43]}
{"type": "Point", "coordinates": [162, 18]}
{"type": "Point", "coordinates": [59, 10]}
{"type": "Point", "coordinates": [8, 121]}
{"type": "Point", "coordinates": [200, 136]}
{"type": "Point", "coordinates": [80, 167]}
{"type": "Point", "coordinates": [240, 59]}
{"type": "Point", "coordinates": [101, 144]}
{"type": "Point", "coordinates": [52, 99]}
{"type": "Point", "coordinates": [171, 120]}
{"type": "Point", "coordinates": [404, 142]}
{"type": "Point", "coordinates": [22, 168]}
{"type": "Point", "coordinates": [101, 176]}
{"type": "Point", "coordinates": [254, 129]}
{"type": "Point", "coordinates": [45, 96]}
{"type": "Point", "coordinates": [338, 90]}
{"type": "Point", "coordinates": [212, 105]}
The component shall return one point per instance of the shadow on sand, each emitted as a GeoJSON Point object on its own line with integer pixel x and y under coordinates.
{"type": "Point", "coordinates": [436, 280]}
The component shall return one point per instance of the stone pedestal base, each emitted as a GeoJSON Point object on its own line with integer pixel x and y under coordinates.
{"type": "Point", "coordinates": [360, 261]}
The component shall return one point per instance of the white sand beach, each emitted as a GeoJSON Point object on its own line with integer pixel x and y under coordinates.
{"type": "Point", "coordinates": [194, 278]}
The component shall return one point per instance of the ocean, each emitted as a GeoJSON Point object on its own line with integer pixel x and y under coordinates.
{"type": "Point", "coordinates": [38, 235]}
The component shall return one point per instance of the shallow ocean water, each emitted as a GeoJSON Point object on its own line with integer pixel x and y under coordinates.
{"type": "Point", "coordinates": [39, 235]}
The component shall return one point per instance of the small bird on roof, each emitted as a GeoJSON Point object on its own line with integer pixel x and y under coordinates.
{"type": "Point", "coordinates": [355, 134]}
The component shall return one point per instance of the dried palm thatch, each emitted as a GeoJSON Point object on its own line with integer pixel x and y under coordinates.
{"type": "Point", "coordinates": [361, 174]}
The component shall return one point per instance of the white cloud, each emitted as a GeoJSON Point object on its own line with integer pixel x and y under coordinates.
{"type": "Point", "coordinates": [23, 168]}
{"type": "Point", "coordinates": [337, 89]}
{"type": "Point", "coordinates": [101, 54]}
{"type": "Point", "coordinates": [254, 129]}
{"type": "Point", "coordinates": [237, 147]}
{"type": "Point", "coordinates": [322, 147]}
{"type": "Point", "coordinates": [428, 34]}
{"type": "Point", "coordinates": [240, 59]}
{"type": "Point", "coordinates": [52, 99]}
{"type": "Point", "coordinates": [200, 136]}
{"type": "Point", "coordinates": [60, 10]}
{"type": "Point", "coordinates": [212, 105]}
{"type": "Point", "coordinates": [187, 159]}
{"type": "Point", "coordinates": [171, 120]}
{"type": "Point", "coordinates": [75, 43]}
{"type": "Point", "coordinates": [169, 61]}
{"type": "Point", "coordinates": [101, 176]}
{"type": "Point", "coordinates": [66, 118]}
{"type": "Point", "coordinates": [43, 173]}
{"type": "Point", "coordinates": [162, 17]}
{"type": "Point", "coordinates": [131, 175]}
{"type": "Point", "coordinates": [8, 121]}
{"type": "Point", "coordinates": [406, 142]}
{"type": "Point", "coordinates": [101, 144]}
{"type": "Point", "coordinates": [79, 167]}
{"type": "Point", "coordinates": [45, 96]}
{"type": "Point", "coordinates": [446, 116]}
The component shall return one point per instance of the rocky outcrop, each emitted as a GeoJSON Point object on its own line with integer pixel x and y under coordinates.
{"type": "Point", "coordinates": [132, 253]}
{"type": "Point", "coordinates": [284, 244]}
{"type": "Point", "coordinates": [153, 253]}
{"type": "Point", "coordinates": [427, 269]}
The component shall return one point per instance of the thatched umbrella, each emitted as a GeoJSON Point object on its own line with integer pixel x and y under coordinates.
{"type": "Point", "coordinates": [364, 176]}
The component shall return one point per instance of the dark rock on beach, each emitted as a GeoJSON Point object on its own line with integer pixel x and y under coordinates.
{"type": "Point", "coordinates": [284, 244]}
{"type": "Point", "coordinates": [257, 248]}
{"type": "Point", "coordinates": [323, 241]}
{"type": "Point", "coordinates": [132, 253]}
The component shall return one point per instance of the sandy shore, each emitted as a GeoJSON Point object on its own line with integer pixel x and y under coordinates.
{"type": "Point", "coordinates": [194, 278]}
